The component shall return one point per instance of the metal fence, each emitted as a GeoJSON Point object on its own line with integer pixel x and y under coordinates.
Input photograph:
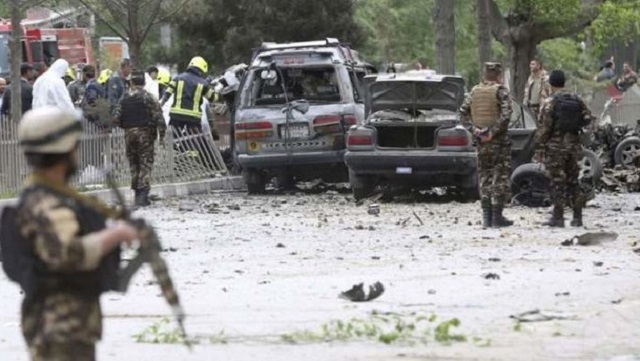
{"type": "Point", "coordinates": [184, 156]}
{"type": "Point", "coordinates": [626, 111]}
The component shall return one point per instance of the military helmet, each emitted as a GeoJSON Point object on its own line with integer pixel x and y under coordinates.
{"type": "Point", "coordinates": [199, 63]}
{"type": "Point", "coordinates": [164, 77]}
{"type": "Point", "coordinates": [104, 76]}
{"type": "Point", "coordinates": [493, 66]}
{"type": "Point", "coordinates": [49, 130]}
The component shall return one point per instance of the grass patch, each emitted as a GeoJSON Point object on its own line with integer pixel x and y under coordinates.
{"type": "Point", "coordinates": [160, 332]}
{"type": "Point", "coordinates": [387, 328]}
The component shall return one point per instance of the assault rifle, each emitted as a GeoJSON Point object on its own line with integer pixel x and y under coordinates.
{"type": "Point", "coordinates": [149, 252]}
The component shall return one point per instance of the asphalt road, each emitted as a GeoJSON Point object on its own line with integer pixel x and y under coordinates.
{"type": "Point", "coordinates": [260, 276]}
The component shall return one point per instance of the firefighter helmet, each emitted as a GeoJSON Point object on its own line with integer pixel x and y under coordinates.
{"type": "Point", "coordinates": [199, 63]}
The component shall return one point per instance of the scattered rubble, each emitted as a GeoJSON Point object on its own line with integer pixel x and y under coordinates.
{"type": "Point", "coordinates": [357, 293]}
{"type": "Point", "coordinates": [590, 239]}
{"type": "Point", "coordinates": [540, 316]}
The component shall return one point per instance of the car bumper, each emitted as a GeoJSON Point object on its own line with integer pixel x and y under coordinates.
{"type": "Point", "coordinates": [262, 161]}
{"type": "Point", "coordinates": [406, 164]}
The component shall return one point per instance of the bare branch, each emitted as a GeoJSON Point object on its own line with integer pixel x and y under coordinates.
{"type": "Point", "coordinates": [172, 13]}
{"type": "Point", "coordinates": [588, 13]}
{"type": "Point", "coordinates": [108, 22]}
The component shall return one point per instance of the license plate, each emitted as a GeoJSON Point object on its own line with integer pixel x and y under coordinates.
{"type": "Point", "coordinates": [404, 170]}
{"type": "Point", "coordinates": [296, 131]}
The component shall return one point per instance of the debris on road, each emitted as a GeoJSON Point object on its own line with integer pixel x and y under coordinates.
{"type": "Point", "coordinates": [491, 276]}
{"type": "Point", "coordinates": [540, 316]}
{"type": "Point", "coordinates": [590, 239]}
{"type": "Point", "coordinates": [357, 293]}
{"type": "Point", "coordinates": [374, 209]}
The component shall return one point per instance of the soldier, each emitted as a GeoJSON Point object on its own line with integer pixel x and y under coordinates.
{"type": "Point", "coordinates": [562, 118]}
{"type": "Point", "coordinates": [487, 111]}
{"type": "Point", "coordinates": [537, 88]}
{"type": "Point", "coordinates": [56, 244]}
{"type": "Point", "coordinates": [140, 115]}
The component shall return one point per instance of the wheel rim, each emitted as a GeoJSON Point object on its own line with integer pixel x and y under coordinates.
{"type": "Point", "coordinates": [586, 167]}
{"type": "Point", "coordinates": [629, 152]}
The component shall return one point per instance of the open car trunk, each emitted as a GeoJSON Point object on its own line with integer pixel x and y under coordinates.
{"type": "Point", "coordinates": [408, 113]}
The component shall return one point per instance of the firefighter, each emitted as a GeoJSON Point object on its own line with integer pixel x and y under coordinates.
{"type": "Point", "coordinates": [190, 89]}
{"type": "Point", "coordinates": [164, 77]}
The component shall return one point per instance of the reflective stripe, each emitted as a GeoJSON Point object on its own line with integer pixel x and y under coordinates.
{"type": "Point", "coordinates": [189, 113]}
{"type": "Point", "coordinates": [196, 97]}
{"type": "Point", "coordinates": [178, 102]}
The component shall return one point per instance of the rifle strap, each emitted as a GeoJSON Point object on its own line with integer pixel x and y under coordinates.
{"type": "Point", "coordinates": [62, 188]}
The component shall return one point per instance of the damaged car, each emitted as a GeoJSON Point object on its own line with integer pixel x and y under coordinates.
{"type": "Point", "coordinates": [292, 112]}
{"type": "Point", "coordinates": [412, 138]}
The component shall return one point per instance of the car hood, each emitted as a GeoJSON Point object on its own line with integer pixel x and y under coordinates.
{"type": "Point", "coordinates": [446, 93]}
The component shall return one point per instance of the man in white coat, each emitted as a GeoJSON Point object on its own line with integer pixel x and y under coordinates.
{"type": "Point", "coordinates": [50, 89]}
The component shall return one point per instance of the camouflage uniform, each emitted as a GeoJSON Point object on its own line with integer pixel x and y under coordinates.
{"type": "Point", "coordinates": [60, 323]}
{"type": "Point", "coordinates": [494, 156]}
{"type": "Point", "coordinates": [141, 131]}
{"type": "Point", "coordinates": [561, 152]}
{"type": "Point", "coordinates": [541, 84]}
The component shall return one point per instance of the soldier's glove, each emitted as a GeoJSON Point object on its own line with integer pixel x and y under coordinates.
{"type": "Point", "coordinates": [357, 294]}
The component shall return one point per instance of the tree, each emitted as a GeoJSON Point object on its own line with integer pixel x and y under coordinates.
{"type": "Point", "coordinates": [484, 32]}
{"type": "Point", "coordinates": [528, 23]}
{"type": "Point", "coordinates": [132, 20]}
{"type": "Point", "coordinates": [225, 31]}
{"type": "Point", "coordinates": [444, 21]}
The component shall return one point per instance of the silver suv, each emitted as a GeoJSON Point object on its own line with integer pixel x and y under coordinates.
{"type": "Point", "coordinates": [293, 109]}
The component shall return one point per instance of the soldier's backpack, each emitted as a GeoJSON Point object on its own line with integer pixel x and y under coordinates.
{"type": "Point", "coordinates": [567, 113]}
{"type": "Point", "coordinates": [15, 261]}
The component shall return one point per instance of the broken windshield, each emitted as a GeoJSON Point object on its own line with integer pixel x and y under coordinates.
{"type": "Point", "coordinates": [314, 84]}
{"type": "Point", "coordinates": [4, 53]}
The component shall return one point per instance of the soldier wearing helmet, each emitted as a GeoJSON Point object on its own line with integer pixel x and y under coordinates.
{"type": "Point", "coordinates": [56, 244]}
{"type": "Point", "coordinates": [140, 115]}
{"type": "Point", "coordinates": [487, 112]}
{"type": "Point", "coordinates": [190, 89]}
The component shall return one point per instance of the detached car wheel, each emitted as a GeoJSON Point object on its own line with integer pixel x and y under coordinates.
{"type": "Point", "coordinates": [626, 151]}
{"type": "Point", "coordinates": [362, 186]}
{"type": "Point", "coordinates": [590, 166]}
{"type": "Point", "coordinates": [530, 185]}
{"type": "Point", "coordinates": [256, 181]}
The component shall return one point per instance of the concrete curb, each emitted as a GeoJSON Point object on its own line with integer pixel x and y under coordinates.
{"type": "Point", "coordinates": [231, 183]}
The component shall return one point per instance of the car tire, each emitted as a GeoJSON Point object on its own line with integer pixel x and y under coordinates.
{"type": "Point", "coordinates": [255, 180]}
{"type": "Point", "coordinates": [590, 165]}
{"type": "Point", "coordinates": [362, 186]}
{"type": "Point", "coordinates": [624, 152]}
{"type": "Point", "coordinates": [530, 185]}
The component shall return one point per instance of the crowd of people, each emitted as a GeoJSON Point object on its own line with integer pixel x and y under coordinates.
{"type": "Point", "coordinates": [128, 98]}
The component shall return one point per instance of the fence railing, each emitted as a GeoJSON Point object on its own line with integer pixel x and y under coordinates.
{"type": "Point", "coordinates": [184, 156]}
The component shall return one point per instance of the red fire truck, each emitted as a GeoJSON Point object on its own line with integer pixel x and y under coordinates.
{"type": "Point", "coordinates": [43, 46]}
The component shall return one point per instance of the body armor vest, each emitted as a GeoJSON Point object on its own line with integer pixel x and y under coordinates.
{"type": "Point", "coordinates": [484, 105]}
{"type": "Point", "coordinates": [135, 112]}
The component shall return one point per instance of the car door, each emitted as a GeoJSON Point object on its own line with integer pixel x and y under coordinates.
{"type": "Point", "coordinates": [522, 131]}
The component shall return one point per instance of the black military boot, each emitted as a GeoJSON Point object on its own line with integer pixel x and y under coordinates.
{"type": "Point", "coordinates": [498, 220]}
{"type": "Point", "coordinates": [557, 218]}
{"type": "Point", "coordinates": [577, 217]}
{"type": "Point", "coordinates": [136, 199]}
{"type": "Point", "coordinates": [486, 213]}
{"type": "Point", "coordinates": [144, 197]}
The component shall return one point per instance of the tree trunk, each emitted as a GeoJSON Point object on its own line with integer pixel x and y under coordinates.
{"type": "Point", "coordinates": [135, 53]}
{"type": "Point", "coordinates": [444, 21]}
{"type": "Point", "coordinates": [16, 59]}
{"type": "Point", "coordinates": [484, 32]}
{"type": "Point", "coordinates": [520, 54]}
